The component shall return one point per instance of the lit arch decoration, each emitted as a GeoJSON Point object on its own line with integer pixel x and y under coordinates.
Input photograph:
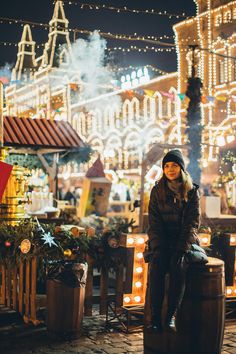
{"type": "Point", "coordinates": [96, 122]}
{"type": "Point", "coordinates": [114, 143]}
{"type": "Point", "coordinates": [174, 137]}
{"type": "Point", "coordinates": [127, 112]}
{"type": "Point", "coordinates": [232, 53]}
{"type": "Point", "coordinates": [117, 113]}
{"type": "Point", "coordinates": [76, 124]}
{"type": "Point", "coordinates": [154, 135]}
{"type": "Point", "coordinates": [82, 123]}
{"type": "Point", "coordinates": [134, 110]}
{"type": "Point", "coordinates": [175, 104]}
{"type": "Point", "coordinates": [149, 108]}
{"type": "Point", "coordinates": [109, 120]}
{"type": "Point", "coordinates": [132, 148]}
{"type": "Point", "coordinates": [219, 46]}
{"type": "Point", "coordinates": [158, 104]}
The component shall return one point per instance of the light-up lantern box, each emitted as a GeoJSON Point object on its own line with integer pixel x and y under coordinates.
{"type": "Point", "coordinates": [210, 206]}
{"type": "Point", "coordinates": [95, 197]}
{"type": "Point", "coordinates": [137, 270]}
{"type": "Point", "coordinates": [205, 239]}
{"type": "Point", "coordinates": [227, 248]}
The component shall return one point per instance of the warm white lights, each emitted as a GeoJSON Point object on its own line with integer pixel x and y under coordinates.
{"type": "Point", "coordinates": [137, 298]}
{"type": "Point", "coordinates": [126, 299]}
{"type": "Point", "coordinates": [140, 241]}
{"type": "Point", "coordinates": [230, 138]}
{"type": "Point", "coordinates": [139, 255]}
{"type": "Point", "coordinates": [138, 284]}
{"type": "Point", "coordinates": [130, 241]}
{"type": "Point", "coordinates": [139, 269]}
{"type": "Point", "coordinates": [220, 141]}
{"type": "Point", "coordinates": [233, 240]}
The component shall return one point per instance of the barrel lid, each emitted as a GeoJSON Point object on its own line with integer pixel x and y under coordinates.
{"type": "Point", "coordinates": [213, 262]}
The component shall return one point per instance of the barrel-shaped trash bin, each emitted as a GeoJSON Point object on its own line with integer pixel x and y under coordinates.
{"type": "Point", "coordinates": [200, 320]}
{"type": "Point", "coordinates": [65, 298]}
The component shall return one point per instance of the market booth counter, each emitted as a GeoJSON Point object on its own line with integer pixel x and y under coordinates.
{"type": "Point", "coordinates": [25, 136]}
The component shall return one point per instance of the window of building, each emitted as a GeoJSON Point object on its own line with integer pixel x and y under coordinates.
{"type": "Point", "coordinates": [218, 20]}
{"type": "Point", "coordinates": [234, 13]}
{"type": "Point", "coordinates": [227, 16]}
{"type": "Point", "coordinates": [221, 72]}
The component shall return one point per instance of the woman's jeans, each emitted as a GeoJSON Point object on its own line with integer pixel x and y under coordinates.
{"type": "Point", "coordinates": [163, 262]}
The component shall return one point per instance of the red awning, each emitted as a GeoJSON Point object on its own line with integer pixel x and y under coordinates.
{"type": "Point", "coordinates": [38, 133]}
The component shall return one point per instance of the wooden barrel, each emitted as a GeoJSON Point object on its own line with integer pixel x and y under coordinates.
{"type": "Point", "coordinates": [65, 307]}
{"type": "Point", "coordinates": [200, 320]}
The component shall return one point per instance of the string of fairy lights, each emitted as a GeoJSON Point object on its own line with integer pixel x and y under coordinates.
{"type": "Point", "coordinates": [134, 37]}
{"type": "Point", "coordinates": [96, 7]}
{"type": "Point", "coordinates": [133, 48]}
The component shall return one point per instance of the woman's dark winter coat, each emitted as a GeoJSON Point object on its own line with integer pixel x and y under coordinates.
{"type": "Point", "coordinates": [173, 224]}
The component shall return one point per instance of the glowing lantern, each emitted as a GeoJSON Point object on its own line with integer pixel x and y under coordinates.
{"type": "Point", "coordinates": [138, 268]}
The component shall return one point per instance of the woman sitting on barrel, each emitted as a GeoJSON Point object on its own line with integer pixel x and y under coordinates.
{"type": "Point", "coordinates": [173, 223]}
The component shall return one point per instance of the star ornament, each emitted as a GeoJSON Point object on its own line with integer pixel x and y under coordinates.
{"type": "Point", "coordinates": [48, 239]}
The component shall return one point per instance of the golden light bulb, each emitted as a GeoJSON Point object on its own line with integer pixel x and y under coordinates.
{"type": "Point", "coordinates": [137, 298]}
{"type": "Point", "coordinates": [127, 299]}
{"type": "Point", "coordinates": [140, 241]}
{"type": "Point", "coordinates": [204, 240]}
{"type": "Point", "coordinates": [229, 291]}
{"type": "Point", "coordinates": [232, 239]}
{"type": "Point", "coordinates": [138, 284]}
{"type": "Point", "coordinates": [139, 255]}
{"type": "Point", "coordinates": [139, 269]}
{"type": "Point", "coordinates": [130, 240]}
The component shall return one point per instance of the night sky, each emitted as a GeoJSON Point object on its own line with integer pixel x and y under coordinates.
{"type": "Point", "coordinates": [105, 20]}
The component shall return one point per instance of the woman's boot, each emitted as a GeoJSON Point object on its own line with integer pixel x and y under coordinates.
{"type": "Point", "coordinates": [170, 324]}
{"type": "Point", "coordinates": [156, 321]}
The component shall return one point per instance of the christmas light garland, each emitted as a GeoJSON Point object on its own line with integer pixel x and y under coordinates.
{"type": "Point", "coordinates": [146, 49]}
{"type": "Point", "coordinates": [87, 6]}
{"type": "Point", "coordinates": [134, 37]}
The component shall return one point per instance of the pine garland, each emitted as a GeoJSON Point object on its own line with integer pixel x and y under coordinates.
{"type": "Point", "coordinates": [49, 243]}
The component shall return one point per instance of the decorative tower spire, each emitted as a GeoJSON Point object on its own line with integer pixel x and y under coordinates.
{"type": "Point", "coordinates": [58, 35]}
{"type": "Point", "coordinates": [25, 64]}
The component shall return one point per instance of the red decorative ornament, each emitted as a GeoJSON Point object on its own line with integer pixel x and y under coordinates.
{"type": "Point", "coordinates": [7, 243]}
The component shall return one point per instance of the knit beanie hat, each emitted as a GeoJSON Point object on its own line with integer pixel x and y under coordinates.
{"type": "Point", "coordinates": [174, 156]}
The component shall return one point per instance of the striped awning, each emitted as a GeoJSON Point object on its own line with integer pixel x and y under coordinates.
{"type": "Point", "coordinates": [40, 133]}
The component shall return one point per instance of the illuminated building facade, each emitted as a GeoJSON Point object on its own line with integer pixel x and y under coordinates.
{"type": "Point", "coordinates": [148, 112]}
{"type": "Point", "coordinates": [213, 30]}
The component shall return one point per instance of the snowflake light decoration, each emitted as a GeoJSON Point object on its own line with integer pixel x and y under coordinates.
{"type": "Point", "coordinates": [48, 239]}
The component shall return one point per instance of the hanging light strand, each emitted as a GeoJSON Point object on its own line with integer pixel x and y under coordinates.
{"type": "Point", "coordinates": [138, 49]}
{"type": "Point", "coordinates": [131, 48]}
{"type": "Point", "coordinates": [87, 6]}
{"type": "Point", "coordinates": [109, 35]}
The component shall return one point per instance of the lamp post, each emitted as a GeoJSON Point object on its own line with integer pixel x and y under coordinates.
{"type": "Point", "coordinates": [194, 116]}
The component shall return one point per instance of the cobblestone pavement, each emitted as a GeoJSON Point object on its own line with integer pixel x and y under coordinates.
{"type": "Point", "coordinates": [95, 338]}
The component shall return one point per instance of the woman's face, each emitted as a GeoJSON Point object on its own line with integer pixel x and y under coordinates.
{"type": "Point", "coordinates": [172, 170]}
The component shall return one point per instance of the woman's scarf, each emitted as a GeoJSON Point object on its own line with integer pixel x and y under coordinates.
{"type": "Point", "coordinates": [176, 186]}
